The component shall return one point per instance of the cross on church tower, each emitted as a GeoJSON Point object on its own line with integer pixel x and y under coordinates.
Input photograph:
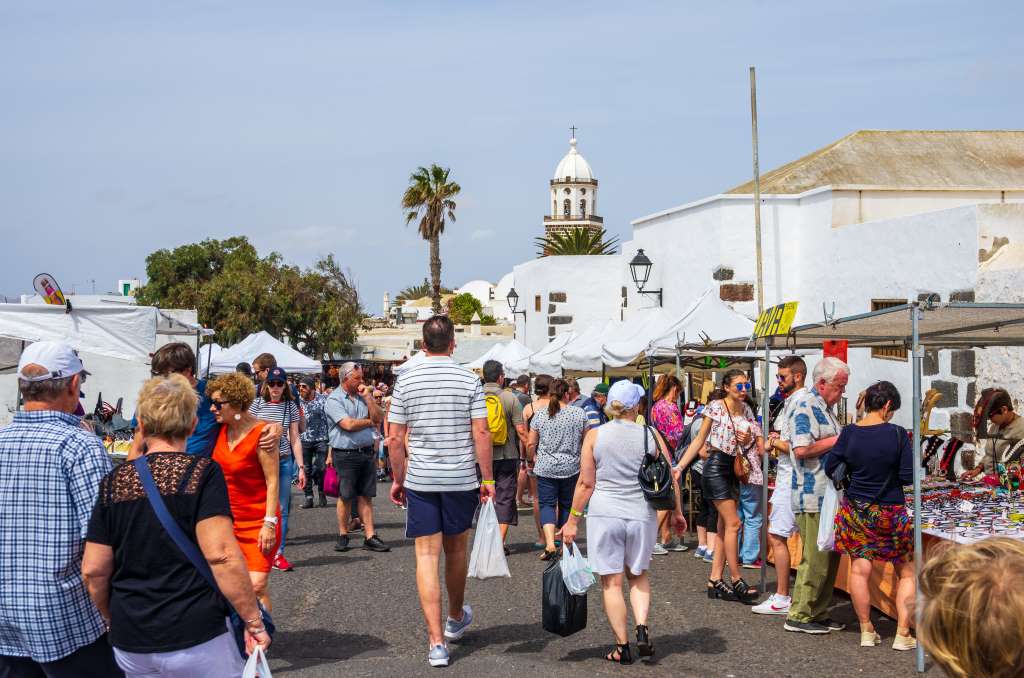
{"type": "Point", "coordinates": [573, 128]}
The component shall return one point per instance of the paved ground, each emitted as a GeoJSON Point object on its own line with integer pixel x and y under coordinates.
{"type": "Point", "coordinates": [356, 614]}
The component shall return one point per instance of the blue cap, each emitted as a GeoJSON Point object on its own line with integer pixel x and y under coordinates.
{"type": "Point", "coordinates": [277, 374]}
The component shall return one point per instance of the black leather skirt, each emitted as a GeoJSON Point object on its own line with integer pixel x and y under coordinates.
{"type": "Point", "coordinates": [719, 481]}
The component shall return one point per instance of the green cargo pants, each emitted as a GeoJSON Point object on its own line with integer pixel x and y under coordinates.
{"type": "Point", "coordinates": [815, 576]}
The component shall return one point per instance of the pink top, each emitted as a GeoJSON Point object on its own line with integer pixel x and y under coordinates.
{"type": "Point", "coordinates": [667, 418]}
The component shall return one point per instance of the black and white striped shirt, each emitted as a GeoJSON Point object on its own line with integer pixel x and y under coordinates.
{"type": "Point", "coordinates": [438, 400]}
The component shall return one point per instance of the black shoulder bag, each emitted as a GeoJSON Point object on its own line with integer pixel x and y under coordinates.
{"type": "Point", "coordinates": [655, 478]}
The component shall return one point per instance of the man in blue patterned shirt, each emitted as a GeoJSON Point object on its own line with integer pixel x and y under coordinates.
{"type": "Point", "coordinates": [812, 430]}
{"type": "Point", "coordinates": [314, 439]}
{"type": "Point", "coordinates": [50, 471]}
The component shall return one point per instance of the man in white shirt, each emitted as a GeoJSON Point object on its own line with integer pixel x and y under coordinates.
{"type": "Point", "coordinates": [440, 406]}
{"type": "Point", "coordinates": [792, 372]}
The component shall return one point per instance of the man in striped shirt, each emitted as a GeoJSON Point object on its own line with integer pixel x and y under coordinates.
{"type": "Point", "coordinates": [440, 406]}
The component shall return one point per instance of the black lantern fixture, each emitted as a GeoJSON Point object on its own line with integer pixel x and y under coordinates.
{"type": "Point", "coordinates": [513, 302]}
{"type": "Point", "coordinates": [640, 269]}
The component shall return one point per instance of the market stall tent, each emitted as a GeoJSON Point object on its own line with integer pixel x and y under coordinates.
{"type": "Point", "coordinates": [914, 326]}
{"type": "Point", "coordinates": [262, 342]}
{"type": "Point", "coordinates": [587, 354]}
{"type": "Point", "coordinates": [548, 360]}
{"type": "Point", "coordinates": [511, 355]}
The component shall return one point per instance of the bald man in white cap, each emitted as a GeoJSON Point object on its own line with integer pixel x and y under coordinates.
{"type": "Point", "coordinates": [50, 469]}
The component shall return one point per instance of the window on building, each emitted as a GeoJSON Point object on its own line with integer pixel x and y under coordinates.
{"type": "Point", "coordinates": [536, 303]}
{"type": "Point", "coordinates": [583, 208]}
{"type": "Point", "coordinates": [566, 207]}
{"type": "Point", "coordinates": [554, 207]}
{"type": "Point", "coordinates": [895, 352]}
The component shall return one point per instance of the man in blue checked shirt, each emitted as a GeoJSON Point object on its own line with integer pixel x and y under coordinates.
{"type": "Point", "coordinates": [50, 470]}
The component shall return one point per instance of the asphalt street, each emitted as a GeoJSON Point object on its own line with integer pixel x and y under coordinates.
{"type": "Point", "coordinates": [357, 614]}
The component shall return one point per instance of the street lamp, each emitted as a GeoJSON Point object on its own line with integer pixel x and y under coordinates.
{"type": "Point", "coordinates": [513, 302]}
{"type": "Point", "coordinates": [640, 269]}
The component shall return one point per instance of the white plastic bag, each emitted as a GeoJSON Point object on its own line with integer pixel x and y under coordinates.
{"type": "Point", "coordinates": [256, 666]}
{"type": "Point", "coordinates": [488, 557]}
{"type": "Point", "coordinates": [576, 572]}
{"type": "Point", "coordinates": [827, 518]}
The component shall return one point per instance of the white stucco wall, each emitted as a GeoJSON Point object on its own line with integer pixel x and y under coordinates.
{"type": "Point", "coordinates": [592, 287]}
{"type": "Point", "coordinates": [481, 291]}
{"type": "Point", "coordinates": [502, 313]}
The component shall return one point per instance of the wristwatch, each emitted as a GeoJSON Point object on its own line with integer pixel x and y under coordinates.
{"type": "Point", "coordinates": [270, 519]}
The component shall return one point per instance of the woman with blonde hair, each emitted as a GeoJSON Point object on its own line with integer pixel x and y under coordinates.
{"type": "Point", "coordinates": [621, 525]}
{"type": "Point", "coordinates": [161, 611]}
{"type": "Point", "coordinates": [974, 604]}
{"type": "Point", "coordinates": [252, 477]}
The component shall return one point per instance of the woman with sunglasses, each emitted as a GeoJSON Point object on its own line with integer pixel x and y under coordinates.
{"type": "Point", "coordinates": [276, 404]}
{"type": "Point", "coordinates": [251, 473]}
{"type": "Point", "coordinates": [730, 429]}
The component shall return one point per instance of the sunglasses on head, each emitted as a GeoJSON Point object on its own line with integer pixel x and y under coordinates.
{"type": "Point", "coordinates": [742, 387]}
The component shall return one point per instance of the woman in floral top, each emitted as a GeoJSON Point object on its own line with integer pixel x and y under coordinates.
{"type": "Point", "coordinates": [729, 428]}
{"type": "Point", "coordinates": [668, 419]}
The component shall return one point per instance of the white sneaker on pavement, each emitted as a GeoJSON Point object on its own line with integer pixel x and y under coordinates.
{"type": "Point", "coordinates": [659, 550]}
{"type": "Point", "coordinates": [775, 604]}
{"type": "Point", "coordinates": [454, 630]}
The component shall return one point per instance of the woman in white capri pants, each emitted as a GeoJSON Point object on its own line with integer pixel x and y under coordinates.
{"type": "Point", "coordinates": [621, 526]}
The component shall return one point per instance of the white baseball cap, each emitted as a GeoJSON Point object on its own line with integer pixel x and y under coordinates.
{"type": "Point", "coordinates": [626, 392]}
{"type": "Point", "coordinates": [59, 360]}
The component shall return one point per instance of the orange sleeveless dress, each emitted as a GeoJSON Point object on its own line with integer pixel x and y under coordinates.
{"type": "Point", "coordinates": [247, 494]}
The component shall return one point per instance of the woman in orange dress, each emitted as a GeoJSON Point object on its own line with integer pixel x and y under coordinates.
{"type": "Point", "coordinates": [252, 477]}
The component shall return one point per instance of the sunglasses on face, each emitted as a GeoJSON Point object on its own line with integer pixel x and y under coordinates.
{"type": "Point", "coordinates": [743, 387]}
{"type": "Point", "coordinates": [276, 384]}
{"type": "Point", "coordinates": [218, 404]}
{"type": "Point", "coordinates": [780, 378]}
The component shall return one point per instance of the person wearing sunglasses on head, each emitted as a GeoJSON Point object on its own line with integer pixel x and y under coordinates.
{"type": "Point", "coordinates": [276, 403]}
{"type": "Point", "coordinates": [733, 437]}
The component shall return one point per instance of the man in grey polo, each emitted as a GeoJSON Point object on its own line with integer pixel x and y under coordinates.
{"type": "Point", "coordinates": [354, 416]}
{"type": "Point", "coordinates": [506, 454]}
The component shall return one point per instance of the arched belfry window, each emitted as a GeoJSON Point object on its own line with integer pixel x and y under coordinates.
{"type": "Point", "coordinates": [583, 208]}
{"type": "Point", "coordinates": [554, 207]}
{"type": "Point", "coordinates": [566, 207]}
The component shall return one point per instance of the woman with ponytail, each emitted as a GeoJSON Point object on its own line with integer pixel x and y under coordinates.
{"type": "Point", "coordinates": [556, 436]}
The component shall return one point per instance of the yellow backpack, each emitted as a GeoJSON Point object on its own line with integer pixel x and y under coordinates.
{"type": "Point", "coordinates": [496, 420]}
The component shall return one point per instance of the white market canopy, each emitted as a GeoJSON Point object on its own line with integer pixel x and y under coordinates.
{"type": "Point", "coordinates": [417, 359]}
{"type": "Point", "coordinates": [553, 362]}
{"type": "Point", "coordinates": [122, 331]}
{"type": "Point", "coordinates": [246, 351]}
{"type": "Point", "coordinates": [942, 325]}
{"type": "Point", "coordinates": [207, 354]}
{"type": "Point", "coordinates": [511, 355]}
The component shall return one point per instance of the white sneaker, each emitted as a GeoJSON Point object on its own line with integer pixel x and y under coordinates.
{"type": "Point", "coordinates": [454, 630]}
{"type": "Point", "coordinates": [775, 604]}
{"type": "Point", "coordinates": [438, 655]}
{"type": "Point", "coordinates": [659, 550]}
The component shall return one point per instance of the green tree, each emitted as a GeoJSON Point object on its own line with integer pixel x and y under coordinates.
{"type": "Point", "coordinates": [576, 241]}
{"type": "Point", "coordinates": [237, 292]}
{"type": "Point", "coordinates": [462, 308]}
{"type": "Point", "coordinates": [429, 199]}
{"type": "Point", "coordinates": [415, 292]}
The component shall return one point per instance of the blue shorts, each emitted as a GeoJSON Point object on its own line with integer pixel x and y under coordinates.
{"type": "Point", "coordinates": [448, 512]}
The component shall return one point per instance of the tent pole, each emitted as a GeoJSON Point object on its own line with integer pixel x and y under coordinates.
{"type": "Point", "coordinates": [915, 366]}
{"type": "Point", "coordinates": [765, 427]}
{"type": "Point", "coordinates": [199, 364]}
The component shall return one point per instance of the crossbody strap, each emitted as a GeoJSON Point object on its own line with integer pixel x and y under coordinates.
{"type": "Point", "coordinates": [186, 545]}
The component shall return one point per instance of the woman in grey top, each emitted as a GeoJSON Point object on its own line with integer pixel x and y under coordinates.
{"type": "Point", "coordinates": [621, 526]}
{"type": "Point", "coordinates": [556, 434]}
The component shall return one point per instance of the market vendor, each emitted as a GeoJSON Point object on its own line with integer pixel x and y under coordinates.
{"type": "Point", "coordinates": [1005, 428]}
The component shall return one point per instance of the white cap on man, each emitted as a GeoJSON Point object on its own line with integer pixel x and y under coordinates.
{"type": "Point", "coordinates": [58, 359]}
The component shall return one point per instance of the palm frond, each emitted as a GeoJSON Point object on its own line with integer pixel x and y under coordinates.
{"type": "Point", "coordinates": [575, 242]}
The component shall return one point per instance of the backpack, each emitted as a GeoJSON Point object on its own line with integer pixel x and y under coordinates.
{"type": "Point", "coordinates": [496, 420]}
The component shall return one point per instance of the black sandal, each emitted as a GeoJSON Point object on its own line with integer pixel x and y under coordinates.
{"type": "Point", "coordinates": [718, 589]}
{"type": "Point", "coordinates": [625, 655]}
{"type": "Point", "coordinates": [743, 591]}
{"type": "Point", "coordinates": [644, 646]}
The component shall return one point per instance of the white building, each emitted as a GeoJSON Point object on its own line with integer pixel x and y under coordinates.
{"type": "Point", "coordinates": [873, 219]}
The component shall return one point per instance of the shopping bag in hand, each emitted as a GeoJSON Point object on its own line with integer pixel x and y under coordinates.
{"type": "Point", "coordinates": [576, 572]}
{"type": "Point", "coordinates": [331, 482]}
{"type": "Point", "coordinates": [488, 557]}
{"type": "Point", "coordinates": [256, 666]}
{"type": "Point", "coordinates": [827, 518]}
{"type": "Point", "coordinates": [562, 612]}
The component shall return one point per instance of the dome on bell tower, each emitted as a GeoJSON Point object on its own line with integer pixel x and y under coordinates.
{"type": "Point", "coordinates": [573, 167]}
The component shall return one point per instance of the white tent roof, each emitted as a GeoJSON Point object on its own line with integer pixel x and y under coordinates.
{"type": "Point", "coordinates": [548, 360]}
{"type": "Point", "coordinates": [587, 353]}
{"type": "Point", "coordinates": [116, 330]}
{"type": "Point", "coordinates": [708, 320]}
{"type": "Point", "coordinates": [262, 342]}
{"type": "Point", "coordinates": [511, 355]}
{"type": "Point", "coordinates": [418, 358]}
{"type": "Point", "coordinates": [207, 354]}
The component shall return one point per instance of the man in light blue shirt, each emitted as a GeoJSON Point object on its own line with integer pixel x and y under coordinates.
{"type": "Point", "coordinates": [354, 418]}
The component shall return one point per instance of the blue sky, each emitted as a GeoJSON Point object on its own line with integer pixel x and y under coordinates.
{"type": "Point", "coordinates": [131, 126]}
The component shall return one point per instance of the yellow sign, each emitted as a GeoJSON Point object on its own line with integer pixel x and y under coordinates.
{"type": "Point", "coordinates": [775, 320]}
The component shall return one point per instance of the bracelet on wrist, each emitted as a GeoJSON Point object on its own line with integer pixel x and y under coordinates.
{"type": "Point", "coordinates": [486, 482]}
{"type": "Point", "coordinates": [574, 512]}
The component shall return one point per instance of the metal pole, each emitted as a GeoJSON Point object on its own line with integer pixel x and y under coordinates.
{"type": "Point", "coordinates": [918, 355]}
{"type": "Point", "coordinates": [757, 191]}
{"type": "Point", "coordinates": [765, 427]}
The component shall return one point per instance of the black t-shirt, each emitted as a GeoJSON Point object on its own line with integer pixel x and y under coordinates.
{"type": "Point", "coordinates": [158, 600]}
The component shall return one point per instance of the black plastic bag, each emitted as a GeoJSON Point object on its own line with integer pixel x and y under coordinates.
{"type": "Point", "coordinates": [561, 612]}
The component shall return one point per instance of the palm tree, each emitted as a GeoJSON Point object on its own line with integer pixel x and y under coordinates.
{"type": "Point", "coordinates": [576, 241]}
{"type": "Point", "coordinates": [429, 199]}
{"type": "Point", "coordinates": [414, 292]}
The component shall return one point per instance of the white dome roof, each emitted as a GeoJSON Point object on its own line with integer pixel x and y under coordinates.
{"type": "Point", "coordinates": [573, 166]}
